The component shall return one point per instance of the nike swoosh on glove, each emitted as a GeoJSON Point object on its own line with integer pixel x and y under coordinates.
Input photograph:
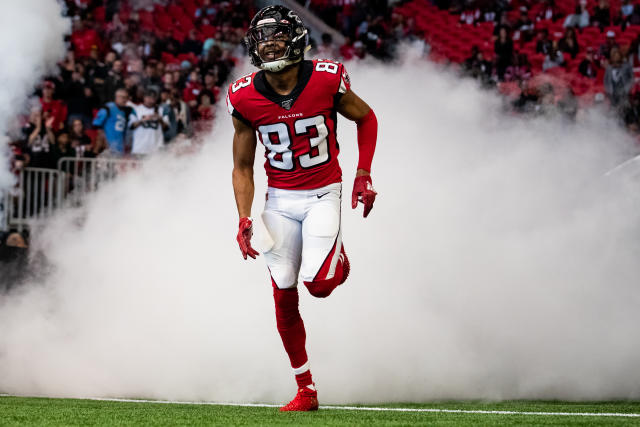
{"type": "Point", "coordinates": [245, 231]}
{"type": "Point", "coordinates": [363, 192]}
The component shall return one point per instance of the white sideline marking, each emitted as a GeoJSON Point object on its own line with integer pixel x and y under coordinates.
{"type": "Point", "coordinates": [367, 408]}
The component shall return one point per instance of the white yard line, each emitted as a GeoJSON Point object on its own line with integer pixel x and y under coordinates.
{"type": "Point", "coordinates": [373, 408]}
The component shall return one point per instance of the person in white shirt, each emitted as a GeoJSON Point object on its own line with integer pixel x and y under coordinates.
{"type": "Point", "coordinates": [148, 125]}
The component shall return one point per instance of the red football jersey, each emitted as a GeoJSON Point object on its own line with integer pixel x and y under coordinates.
{"type": "Point", "coordinates": [298, 130]}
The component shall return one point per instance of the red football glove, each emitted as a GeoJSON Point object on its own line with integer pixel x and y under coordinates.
{"type": "Point", "coordinates": [363, 192]}
{"type": "Point", "coordinates": [245, 231]}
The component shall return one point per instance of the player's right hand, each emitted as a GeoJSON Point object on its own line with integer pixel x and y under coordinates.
{"type": "Point", "coordinates": [245, 231]}
{"type": "Point", "coordinates": [363, 192]}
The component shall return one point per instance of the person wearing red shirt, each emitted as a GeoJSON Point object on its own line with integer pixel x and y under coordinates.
{"type": "Point", "coordinates": [292, 104]}
{"type": "Point", "coordinates": [84, 39]}
{"type": "Point", "coordinates": [56, 108]}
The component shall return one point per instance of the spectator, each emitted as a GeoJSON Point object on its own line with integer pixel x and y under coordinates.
{"type": "Point", "coordinates": [490, 12]}
{"type": "Point", "coordinates": [40, 140]}
{"type": "Point", "coordinates": [477, 67]}
{"type": "Point", "coordinates": [149, 74]}
{"type": "Point", "coordinates": [547, 11]}
{"type": "Point", "coordinates": [634, 19]}
{"type": "Point", "coordinates": [113, 119]}
{"type": "Point", "coordinates": [579, 18]}
{"type": "Point", "coordinates": [210, 79]}
{"type": "Point", "coordinates": [569, 43]}
{"type": "Point", "coordinates": [634, 52]}
{"type": "Point", "coordinates": [543, 45]}
{"type": "Point", "coordinates": [601, 15]}
{"type": "Point", "coordinates": [166, 110]}
{"type": "Point", "coordinates": [626, 10]}
{"type": "Point", "coordinates": [520, 70]}
{"type": "Point", "coordinates": [56, 108]}
{"type": "Point", "coordinates": [554, 58]}
{"type": "Point", "coordinates": [524, 25]}
{"type": "Point", "coordinates": [148, 125]}
{"type": "Point", "coordinates": [359, 50]}
{"type": "Point", "coordinates": [192, 89]}
{"type": "Point", "coordinates": [13, 260]}
{"type": "Point", "coordinates": [528, 99]}
{"type": "Point", "coordinates": [114, 80]}
{"type": "Point", "coordinates": [504, 52]}
{"type": "Point", "coordinates": [182, 113]}
{"type": "Point", "coordinates": [618, 80]}
{"type": "Point", "coordinates": [327, 49]}
{"type": "Point", "coordinates": [470, 16]}
{"type": "Point", "coordinates": [589, 66]}
{"type": "Point", "coordinates": [83, 37]}
{"type": "Point", "coordinates": [79, 134]}
{"type": "Point", "coordinates": [80, 98]}
{"type": "Point", "coordinates": [168, 81]}
{"type": "Point", "coordinates": [191, 44]}
{"type": "Point", "coordinates": [568, 105]}
{"type": "Point", "coordinates": [205, 106]}
{"type": "Point", "coordinates": [61, 149]}
{"type": "Point", "coordinates": [608, 45]}
{"type": "Point", "coordinates": [97, 147]}
{"type": "Point", "coordinates": [206, 13]}
{"type": "Point", "coordinates": [347, 50]}
{"type": "Point", "coordinates": [631, 115]}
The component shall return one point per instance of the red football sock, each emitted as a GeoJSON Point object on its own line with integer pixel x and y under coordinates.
{"type": "Point", "coordinates": [304, 379]}
{"type": "Point", "coordinates": [291, 329]}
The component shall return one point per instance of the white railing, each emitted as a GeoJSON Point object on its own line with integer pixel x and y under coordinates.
{"type": "Point", "coordinates": [35, 196]}
{"type": "Point", "coordinates": [40, 192]}
{"type": "Point", "coordinates": [82, 176]}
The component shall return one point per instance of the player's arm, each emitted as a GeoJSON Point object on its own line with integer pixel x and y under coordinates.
{"type": "Point", "coordinates": [354, 108]}
{"type": "Point", "coordinates": [244, 151]}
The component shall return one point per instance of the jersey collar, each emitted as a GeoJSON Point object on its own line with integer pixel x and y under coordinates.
{"type": "Point", "coordinates": [285, 101]}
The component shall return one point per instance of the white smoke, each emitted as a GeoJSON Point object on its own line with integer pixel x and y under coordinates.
{"type": "Point", "coordinates": [496, 264]}
{"type": "Point", "coordinates": [31, 41]}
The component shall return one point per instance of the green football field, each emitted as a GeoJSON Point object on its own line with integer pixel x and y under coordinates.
{"type": "Point", "coordinates": [72, 412]}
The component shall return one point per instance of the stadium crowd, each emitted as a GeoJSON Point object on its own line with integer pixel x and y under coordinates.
{"type": "Point", "coordinates": [138, 74]}
{"type": "Point", "coordinates": [544, 56]}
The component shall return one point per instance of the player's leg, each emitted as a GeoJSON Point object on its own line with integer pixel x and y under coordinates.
{"type": "Point", "coordinates": [283, 260]}
{"type": "Point", "coordinates": [324, 262]}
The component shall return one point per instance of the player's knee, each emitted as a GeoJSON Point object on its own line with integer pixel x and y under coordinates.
{"type": "Point", "coordinates": [321, 288]}
{"type": "Point", "coordinates": [284, 279]}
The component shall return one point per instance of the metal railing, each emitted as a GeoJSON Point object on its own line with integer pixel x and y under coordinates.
{"type": "Point", "coordinates": [82, 176]}
{"type": "Point", "coordinates": [35, 196]}
{"type": "Point", "coordinates": [40, 192]}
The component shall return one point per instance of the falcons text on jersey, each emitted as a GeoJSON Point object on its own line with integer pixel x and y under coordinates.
{"type": "Point", "coordinates": [298, 130]}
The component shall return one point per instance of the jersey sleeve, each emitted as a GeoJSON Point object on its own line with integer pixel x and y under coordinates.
{"type": "Point", "coordinates": [233, 101]}
{"type": "Point", "coordinates": [340, 82]}
{"type": "Point", "coordinates": [100, 118]}
{"type": "Point", "coordinates": [345, 81]}
{"type": "Point", "coordinates": [132, 118]}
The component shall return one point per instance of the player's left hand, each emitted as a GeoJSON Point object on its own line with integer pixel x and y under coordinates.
{"type": "Point", "coordinates": [245, 231]}
{"type": "Point", "coordinates": [363, 192]}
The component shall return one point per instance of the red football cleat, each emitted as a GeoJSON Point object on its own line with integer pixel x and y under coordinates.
{"type": "Point", "coordinates": [346, 267]}
{"type": "Point", "coordinates": [306, 400]}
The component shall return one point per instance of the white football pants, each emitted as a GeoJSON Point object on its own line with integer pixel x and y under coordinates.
{"type": "Point", "coordinates": [305, 228]}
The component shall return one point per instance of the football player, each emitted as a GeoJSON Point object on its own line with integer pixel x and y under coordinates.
{"type": "Point", "coordinates": [292, 105]}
